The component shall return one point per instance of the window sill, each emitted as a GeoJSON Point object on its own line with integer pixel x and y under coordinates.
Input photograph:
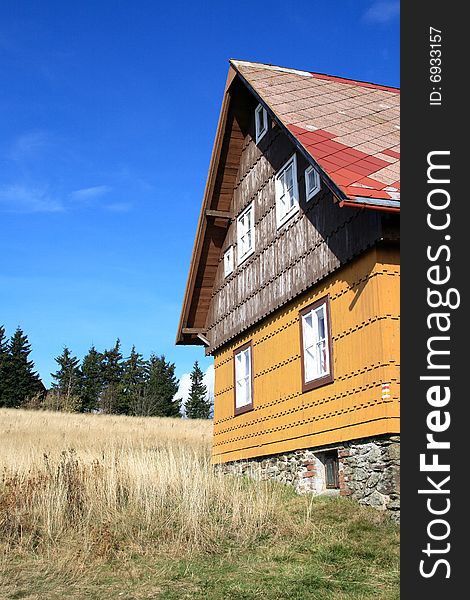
{"type": "Point", "coordinates": [287, 217]}
{"type": "Point", "coordinates": [243, 409]}
{"type": "Point", "coordinates": [316, 383]}
{"type": "Point", "coordinates": [245, 256]}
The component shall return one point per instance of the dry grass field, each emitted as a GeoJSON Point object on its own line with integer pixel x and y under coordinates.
{"type": "Point", "coordinates": [96, 506]}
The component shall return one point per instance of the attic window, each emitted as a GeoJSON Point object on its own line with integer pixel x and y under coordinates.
{"type": "Point", "coordinates": [245, 234]}
{"type": "Point", "coordinates": [228, 261]}
{"type": "Point", "coordinates": [261, 122]}
{"type": "Point", "coordinates": [287, 193]}
{"type": "Point", "coordinates": [312, 182]}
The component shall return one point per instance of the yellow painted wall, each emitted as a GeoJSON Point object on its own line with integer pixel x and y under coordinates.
{"type": "Point", "coordinates": [364, 303]}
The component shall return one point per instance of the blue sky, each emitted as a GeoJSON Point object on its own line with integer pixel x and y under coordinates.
{"type": "Point", "coordinates": [109, 111]}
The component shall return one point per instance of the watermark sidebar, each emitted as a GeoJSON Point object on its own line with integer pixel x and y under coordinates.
{"type": "Point", "coordinates": [435, 257]}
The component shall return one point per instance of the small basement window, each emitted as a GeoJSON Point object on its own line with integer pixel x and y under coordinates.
{"type": "Point", "coordinates": [312, 182]}
{"type": "Point", "coordinates": [316, 345]}
{"type": "Point", "coordinates": [228, 261]}
{"type": "Point", "coordinates": [243, 379]}
{"type": "Point", "coordinates": [287, 194]}
{"type": "Point", "coordinates": [330, 461]}
{"type": "Point", "coordinates": [245, 234]}
{"type": "Point", "coordinates": [261, 122]}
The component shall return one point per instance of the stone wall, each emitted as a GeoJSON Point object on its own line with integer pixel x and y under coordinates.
{"type": "Point", "coordinates": [368, 471]}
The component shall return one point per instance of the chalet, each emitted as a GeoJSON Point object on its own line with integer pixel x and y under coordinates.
{"type": "Point", "coordinates": [293, 285]}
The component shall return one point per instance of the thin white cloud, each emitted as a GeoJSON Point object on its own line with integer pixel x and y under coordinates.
{"type": "Point", "coordinates": [382, 11]}
{"type": "Point", "coordinates": [91, 192]}
{"type": "Point", "coordinates": [29, 145]}
{"type": "Point", "coordinates": [17, 198]}
{"type": "Point", "coordinates": [185, 385]}
{"type": "Point", "coordinates": [119, 207]}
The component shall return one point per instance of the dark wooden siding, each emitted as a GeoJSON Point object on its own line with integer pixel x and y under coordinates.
{"type": "Point", "coordinates": [316, 241]}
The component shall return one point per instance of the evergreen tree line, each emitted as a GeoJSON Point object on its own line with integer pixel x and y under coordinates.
{"type": "Point", "coordinates": [104, 382]}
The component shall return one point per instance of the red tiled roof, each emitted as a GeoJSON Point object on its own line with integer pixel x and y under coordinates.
{"type": "Point", "coordinates": [350, 128]}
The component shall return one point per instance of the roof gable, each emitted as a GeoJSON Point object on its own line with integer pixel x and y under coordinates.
{"type": "Point", "coordinates": [349, 128]}
{"type": "Point", "coordinates": [329, 120]}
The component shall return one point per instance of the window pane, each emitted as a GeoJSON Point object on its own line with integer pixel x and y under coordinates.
{"type": "Point", "coordinates": [289, 179]}
{"type": "Point", "coordinates": [311, 180]}
{"type": "Point", "coordinates": [309, 339]}
{"type": "Point", "coordinates": [238, 367]}
{"type": "Point", "coordinates": [282, 181]}
{"type": "Point", "coordinates": [321, 357]}
{"type": "Point", "coordinates": [290, 199]}
{"type": "Point", "coordinates": [321, 322]}
{"type": "Point", "coordinates": [240, 394]}
{"type": "Point", "coordinates": [309, 365]}
{"type": "Point", "coordinates": [246, 362]}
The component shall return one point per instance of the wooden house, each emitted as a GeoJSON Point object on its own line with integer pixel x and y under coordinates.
{"type": "Point", "coordinates": [293, 286]}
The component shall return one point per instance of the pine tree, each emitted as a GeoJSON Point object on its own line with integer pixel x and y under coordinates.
{"type": "Point", "coordinates": [133, 380]}
{"type": "Point", "coordinates": [92, 380]}
{"type": "Point", "coordinates": [112, 372]}
{"type": "Point", "coordinates": [67, 380]}
{"type": "Point", "coordinates": [158, 399]}
{"type": "Point", "coordinates": [197, 405]}
{"type": "Point", "coordinates": [3, 359]}
{"type": "Point", "coordinates": [21, 382]}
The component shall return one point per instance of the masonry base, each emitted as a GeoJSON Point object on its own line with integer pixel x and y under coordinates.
{"type": "Point", "coordinates": [366, 470]}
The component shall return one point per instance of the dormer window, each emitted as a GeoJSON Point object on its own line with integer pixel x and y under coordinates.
{"type": "Point", "coordinates": [287, 194]}
{"type": "Point", "coordinates": [312, 182]}
{"type": "Point", "coordinates": [261, 122]}
{"type": "Point", "coordinates": [228, 261]}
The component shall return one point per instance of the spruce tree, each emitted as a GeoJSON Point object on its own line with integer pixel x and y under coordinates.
{"type": "Point", "coordinates": [159, 397]}
{"type": "Point", "coordinates": [67, 380]}
{"type": "Point", "coordinates": [198, 405]}
{"type": "Point", "coordinates": [3, 360]}
{"type": "Point", "coordinates": [133, 380]}
{"type": "Point", "coordinates": [92, 380]}
{"type": "Point", "coordinates": [21, 382]}
{"type": "Point", "coordinates": [112, 373]}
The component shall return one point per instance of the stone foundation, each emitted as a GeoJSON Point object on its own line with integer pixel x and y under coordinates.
{"type": "Point", "coordinates": [368, 471]}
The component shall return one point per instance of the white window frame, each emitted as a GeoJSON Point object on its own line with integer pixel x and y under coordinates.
{"type": "Point", "coordinates": [245, 230]}
{"type": "Point", "coordinates": [283, 216]}
{"type": "Point", "coordinates": [316, 350]}
{"type": "Point", "coordinates": [228, 261]}
{"type": "Point", "coordinates": [243, 369]}
{"type": "Point", "coordinates": [261, 131]}
{"type": "Point", "coordinates": [311, 191]}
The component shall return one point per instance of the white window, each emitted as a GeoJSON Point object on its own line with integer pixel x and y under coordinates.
{"type": "Point", "coordinates": [316, 343]}
{"type": "Point", "coordinates": [243, 381]}
{"type": "Point", "coordinates": [228, 261]}
{"type": "Point", "coordinates": [312, 182]}
{"type": "Point", "coordinates": [245, 234]}
{"type": "Point", "coordinates": [287, 194]}
{"type": "Point", "coordinates": [261, 122]}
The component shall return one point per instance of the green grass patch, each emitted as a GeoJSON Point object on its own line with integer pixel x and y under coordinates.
{"type": "Point", "coordinates": [340, 551]}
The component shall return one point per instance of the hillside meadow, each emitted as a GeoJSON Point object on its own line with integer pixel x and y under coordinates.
{"type": "Point", "coordinates": [101, 507]}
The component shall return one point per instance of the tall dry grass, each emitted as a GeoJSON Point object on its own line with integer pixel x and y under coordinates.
{"type": "Point", "coordinates": [99, 485]}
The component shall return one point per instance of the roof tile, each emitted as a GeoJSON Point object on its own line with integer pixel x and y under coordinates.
{"type": "Point", "coordinates": [351, 128]}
